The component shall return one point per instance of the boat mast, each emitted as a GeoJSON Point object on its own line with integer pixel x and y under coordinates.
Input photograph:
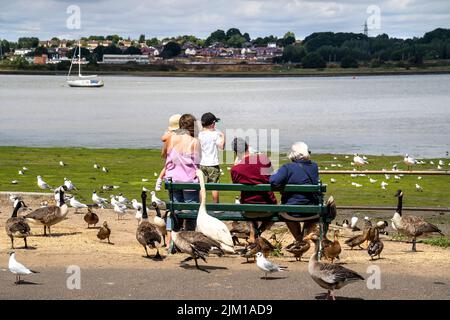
{"type": "Point", "coordinates": [79, 59]}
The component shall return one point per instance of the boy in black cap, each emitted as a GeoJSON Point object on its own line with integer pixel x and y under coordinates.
{"type": "Point", "coordinates": [211, 141]}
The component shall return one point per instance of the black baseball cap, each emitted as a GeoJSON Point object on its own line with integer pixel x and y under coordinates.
{"type": "Point", "coordinates": [208, 119]}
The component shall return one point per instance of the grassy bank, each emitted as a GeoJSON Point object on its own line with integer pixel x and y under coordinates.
{"type": "Point", "coordinates": [127, 168]}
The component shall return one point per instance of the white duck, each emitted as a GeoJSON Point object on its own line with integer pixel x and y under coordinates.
{"type": "Point", "coordinates": [212, 227]}
{"type": "Point", "coordinates": [358, 161]}
{"type": "Point", "coordinates": [42, 184]}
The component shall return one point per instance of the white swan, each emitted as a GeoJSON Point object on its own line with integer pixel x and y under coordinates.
{"type": "Point", "coordinates": [212, 227]}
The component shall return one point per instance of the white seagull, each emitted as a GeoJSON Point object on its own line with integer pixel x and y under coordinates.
{"type": "Point", "coordinates": [409, 161]}
{"type": "Point", "coordinates": [62, 164]}
{"type": "Point", "coordinates": [332, 180]}
{"type": "Point", "coordinates": [42, 184]}
{"type": "Point", "coordinates": [267, 266]}
{"type": "Point", "coordinates": [24, 168]}
{"type": "Point", "coordinates": [372, 180]}
{"type": "Point", "coordinates": [384, 185]}
{"type": "Point", "coordinates": [74, 203]}
{"type": "Point", "coordinates": [441, 163]}
{"type": "Point", "coordinates": [69, 184]}
{"type": "Point", "coordinates": [14, 182]}
{"type": "Point", "coordinates": [122, 199]}
{"type": "Point", "coordinates": [136, 205]}
{"type": "Point", "coordinates": [21, 172]}
{"type": "Point", "coordinates": [113, 200]}
{"type": "Point", "coordinates": [358, 161]}
{"type": "Point", "coordinates": [120, 209]}
{"type": "Point", "coordinates": [96, 166]}
{"type": "Point", "coordinates": [104, 169]}
{"type": "Point", "coordinates": [158, 201]}
{"type": "Point", "coordinates": [17, 268]}
{"type": "Point", "coordinates": [418, 187]}
{"type": "Point", "coordinates": [98, 200]}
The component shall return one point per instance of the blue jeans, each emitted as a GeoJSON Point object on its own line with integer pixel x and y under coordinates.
{"type": "Point", "coordinates": [187, 197]}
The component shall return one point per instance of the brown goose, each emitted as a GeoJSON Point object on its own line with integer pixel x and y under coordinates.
{"type": "Point", "coordinates": [411, 226]}
{"type": "Point", "coordinates": [196, 244]}
{"type": "Point", "coordinates": [104, 232]}
{"type": "Point", "coordinates": [375, 246]}
{"type": "Point", "coordinates": [328, 275]}
{"type": "Point", "coordinates": [159, 222]}
{"type": "Point", "coordinates": [91, 218]}
{"type": "Point", "coordinates": [148, 234]}
{"type": "Point", "coordinates": [50, 215]}
{"type": "Point", "coordinates": [17, 227]}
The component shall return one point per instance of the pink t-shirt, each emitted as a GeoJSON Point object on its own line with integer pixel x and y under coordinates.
{"type": "Point", "coordinates": [181, 167]}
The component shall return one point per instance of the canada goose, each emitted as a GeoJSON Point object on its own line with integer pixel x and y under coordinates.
{"type": "Point", "coordinates": [298, 248]}
{"type": "Point", "coordinates": [104, 232]}
{"type": "Point", "coordinates": [74, 203]}
{"type": "Point", "coordinates": [91, 218]}
{"type": "Point", "coordinates": [17, 227]}
{"type": "Point", "coordinates": [159, 222]}
{"type": "Point", "coordinates": [17, 268]}
{"type": "Point", "coordinates": [357, 240]}
{"type": "Point", "coordinates": [148, 234]}
{"type": "Point", "coordinates": [239, 230]}
{"type": "Point", "coordinates": [196, 244]}
{"type": "Point", "coordinates": [267, 266]}
{"type": "Point", "coordinates": [375, 246]}
{"type": "Point", "coordinates": [358, 161]}
{"type": "Point", "coordinates": [211, 226]}
{"type": "Point", "coordinates": [381, 226]}
{"type": "Point", "coordinates": [409, 161]}
{"type": "Point", "coordinates": [51, 215]}
{"type": "Point", "coordinates": [332, 249]}
{"type": "Point", "coordinates": [42, 184]}
{"type": "Point", "coordinates": [69, 184]}
{"type": "Point", "coordinates": [411, 226]}
{"type": "Point", "coordinates": [98, 200]}
{"type": "Point", "coordinates": [346, 224]}
{"type": "Point", "coordinates": [328, 275]}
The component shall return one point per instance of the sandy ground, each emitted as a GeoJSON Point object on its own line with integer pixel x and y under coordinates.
{"type": "Point", "coordinates": [72, 243]}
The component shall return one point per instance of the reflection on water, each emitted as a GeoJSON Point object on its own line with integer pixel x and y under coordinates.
{"type": "Point", "coordinates": [371, 115]}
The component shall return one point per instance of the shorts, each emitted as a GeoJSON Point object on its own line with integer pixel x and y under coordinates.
{"type": "Point", "coordinates": [212, 173]}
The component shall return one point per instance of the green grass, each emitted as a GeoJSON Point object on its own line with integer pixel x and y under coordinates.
{"type": "Point", "coordinates": [128, 167]}
{"type": "Point", "coordinates": [443, 242]}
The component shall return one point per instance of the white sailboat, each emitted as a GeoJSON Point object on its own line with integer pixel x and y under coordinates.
{"type": "Point", "coordinates": [83, 81]}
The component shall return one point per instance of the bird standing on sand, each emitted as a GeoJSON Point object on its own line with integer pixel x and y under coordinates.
{"type": "Point", "coordinates": [74, 203]}
{"type": "Point", "coordinates": [104, 232]}
{"type": "Point", "coordinates": [17, 268]}
{"type": "Point", "coordinates": [267, 266]}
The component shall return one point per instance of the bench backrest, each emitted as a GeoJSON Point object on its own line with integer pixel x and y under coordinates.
{"type": "Point", "coordinates": [320, 189]}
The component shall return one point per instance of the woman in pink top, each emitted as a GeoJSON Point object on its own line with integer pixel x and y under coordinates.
{"type": "Point", "coordinates": [183, 159]}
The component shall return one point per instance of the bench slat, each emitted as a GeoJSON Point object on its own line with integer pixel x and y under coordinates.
{"type": "Point", "coordinates": [251, 207]}
{"type": "Point", "coordinates": [245, 187]}
{"type": "Point", "coordinates": [237, 216]}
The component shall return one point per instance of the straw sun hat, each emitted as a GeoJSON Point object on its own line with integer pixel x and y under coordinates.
{"type": "Point", "coordinates": [174, 122]}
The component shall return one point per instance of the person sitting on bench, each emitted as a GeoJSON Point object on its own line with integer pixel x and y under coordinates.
{"type": "Point", "coordinates": [253, 169]}
{"type": "Point", "coordinates": [300, 171]}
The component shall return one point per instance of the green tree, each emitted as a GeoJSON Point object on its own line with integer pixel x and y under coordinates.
{"type": "Point", "coordinates": [98, 52]}
{"type": "Point", "coordinates": [142, 38]}
{"type": "Point", "coordinates": [28, 43]}
{"type": "Point", "coordinates": [114, 38]}
{"type": "Point", "coordinates": [5, 47]}
{"type": "Point", "coordinates": [170, 50]}
{"type": "Point", "coordinates": [247, 37]}
{"type": "Point", "coordinates": [236, 41]}
{"type": "Point", "coordinates": [112, 49]}
{"type": "Point", "coordinates": [289, 34]}
{"type": "Point", "coordinates": [216, 36]}
{"type": "Point", "coordinates": [349, 62]}
{"type": "Point", "coordinates": [132, 50]}
{"type": "Point", "coordinates": [232, 32]}
{"type": "Point", "coordinates": [313, 60]}
{"type": "Point", "coordinates": [39, 51]}
{"type": "Point", "coordinates": [152, 42]}
{"type": "Point", "coordinates": [85, 53]}
{"type": "Point", "coordinates": [293, 53]}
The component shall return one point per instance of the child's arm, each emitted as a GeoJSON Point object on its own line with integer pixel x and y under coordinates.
{"type": "Point", "coordinates": [221, 142]}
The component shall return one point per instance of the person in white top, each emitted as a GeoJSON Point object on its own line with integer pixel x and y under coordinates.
{"type": "Point", "coordinates": [211, 141]}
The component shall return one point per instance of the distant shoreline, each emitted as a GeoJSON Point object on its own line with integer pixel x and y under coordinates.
{"type": "Point", "coordinates": [244, 74]}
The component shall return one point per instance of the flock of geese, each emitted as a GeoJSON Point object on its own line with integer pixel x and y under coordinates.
{"type": "Point", "coordinates": [212, 236]}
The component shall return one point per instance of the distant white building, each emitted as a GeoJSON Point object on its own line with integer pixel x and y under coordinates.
{"type": "Point", "coordinates": [190, 52]}
{"type": "Point", "coordinates": [125, 58]}
{"type": "Point", "coordinates": [271, 45]}
{"type": "Point", "coordinates": [22, 52]}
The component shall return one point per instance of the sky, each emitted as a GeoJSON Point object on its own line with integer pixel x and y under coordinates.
{"type": "Point", "coordinates": [164, 18]}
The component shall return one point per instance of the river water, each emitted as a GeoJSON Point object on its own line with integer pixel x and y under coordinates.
{"type": "Point", "coordinates": [369, 115]}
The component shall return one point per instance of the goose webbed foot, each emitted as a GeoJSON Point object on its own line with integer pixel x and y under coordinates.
{"type": "Point", "coordinates": [158, 256]}
{"type": "Point", "coordinates": [414, 245]}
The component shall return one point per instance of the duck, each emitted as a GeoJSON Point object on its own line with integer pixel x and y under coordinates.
{"type": "Point", "coordinates": [17, 268]}
{"type": "Point", "coordinates": [211, 226]}
{"type": "Point", "coordinates": [196, 245]}
{"type": "Point", "coordinates": [375, 246]}
{"type": "Point", "coordinates": [332, 249]}
{"type": "Point", "coordinates": [50, 215]}
{"type": "Point", "coordinates": [42, 184]}
{"type": "Point", "coordinates": [104, 232]}
{"type": "Point", "coordinates": [357, 240]}
{"type": "Point", "coordinates": [17, 227]}
{"type": "Point", "coordinates": [91, 218]}
{"type": "Point", "coordinates": [411, 226]}
{"type": "Point", "coordinates": [298, 248]}
{"type": "Point", "coordinates": [328, 275]}
{"type": "Point", "coordinates": [74, 203]}
{"type": "Point", "coordinates": [99, 201]}
{"type": "Point", "coordinates": [147, 234]}
{"type": "Point", "coordinates": [239, 230]}
{"type": "Point", "coordinates": [261, 244]}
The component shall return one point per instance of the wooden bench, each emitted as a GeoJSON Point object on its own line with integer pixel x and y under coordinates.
{"type": "Point", "coordinates": [233, 211]}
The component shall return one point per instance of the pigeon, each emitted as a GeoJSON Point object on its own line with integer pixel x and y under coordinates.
{"type": "Point", "coordinates": [17, 268]}
{"type": "Point", "coordinates": [266, 266]}
{"type": "Point", "coordinates": [42, 184]}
